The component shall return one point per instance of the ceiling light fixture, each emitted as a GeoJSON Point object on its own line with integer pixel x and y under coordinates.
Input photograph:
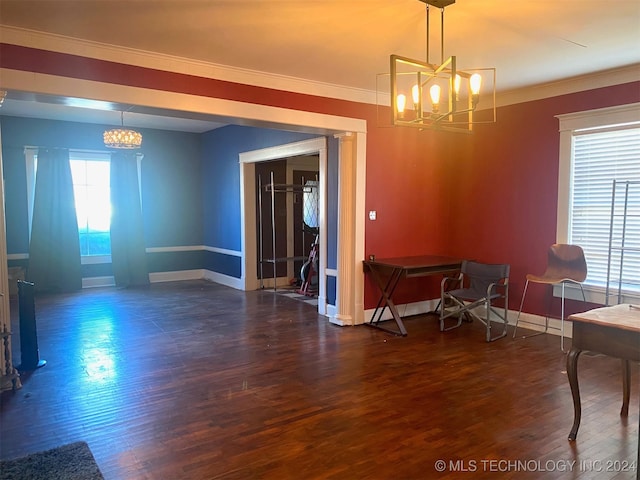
{"type": "Point", "coordinates": [442, 97]}
{"type": "Point", "coordinates": [122, 138]}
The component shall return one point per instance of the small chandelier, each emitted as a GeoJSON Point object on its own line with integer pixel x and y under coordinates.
{"type": "Point", "coordinates": [122, 138]}
{"type": "Point", "coordinates": [443, 96]}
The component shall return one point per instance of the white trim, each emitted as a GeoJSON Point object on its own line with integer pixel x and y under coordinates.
{"type": "Point", "coordinates": [331, 313]}
{"type": "Point", "coordinates": [169, 63]}
{"type": "Point", "coordinates": [224, 251]}
{"type": "Point", "coordinates": [405, 310]}
{"type": "Point", "coordinates": [620, 114]}
{"type": "Point", "coordinates": [194, 248]}
{"type": "Point", "coordinates": [183, 248]}
{"type": "Point", "coordinates": [527, 320]}
{"type": "Point", "coordinates": [188, 248]}
{"type": "Point", "coordinates": [303, 147]}
{"type": "Point", "coordinates": [94, 282]}
{"type": "Point", "coordinates": [94, 259]}
{"type": "Point", "coordinates": [568, 123]}
{"type": "Point", "coordinates": [254, 114]}
{"type": "Point", "coordinates": [360, 181]}
{"type": "Point", "coordinates": [227, 280]}
{"type": "Point", "coordinates": [530, 321]}
{"type": "Point", "coordinates": [176, 276]}
{"type": "Point", "coordinates": [565, 86]}
{"type": "Point", "coordinates": [247, 162]}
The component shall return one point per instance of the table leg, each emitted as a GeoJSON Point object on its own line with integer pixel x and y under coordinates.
{"type": "Point", "coordinates": [572, 374]}
{"type": "Point", "coordinates": [626, 387]}
{"type": "Point", "coordinates": [385, 301]}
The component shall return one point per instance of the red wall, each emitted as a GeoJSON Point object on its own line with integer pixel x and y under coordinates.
{"type": "Point", "coordinates": [489, 196]}
{"type": "Point", "coordinates": [507, 179]}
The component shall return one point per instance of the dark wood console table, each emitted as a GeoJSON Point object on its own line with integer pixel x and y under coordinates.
{"type": "Point", "coordinates": [387, 272]}
{"type": "Point", "coordinates": [613, 331]}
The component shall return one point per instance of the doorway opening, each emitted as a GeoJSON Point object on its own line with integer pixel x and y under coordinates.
{"type": "Point", "coordinates": [308, 156]}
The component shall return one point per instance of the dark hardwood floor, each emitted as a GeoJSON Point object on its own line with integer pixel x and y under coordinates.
{"type": "Point", "coordinates": [193, 380]}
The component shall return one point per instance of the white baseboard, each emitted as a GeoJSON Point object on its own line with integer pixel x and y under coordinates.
{"type": "Point", "coordinates": [332, 311]}
{"type": "Point", "coordinates": [158, 277]}
{"type": "Point", "coordinates": [405, 310]}
{"type": "Point", "coordinates": [216, 277]}
{"type": "Point", "coordinates": [93, 282]}
{"type": "Point", "coordinates": [533, 322]}
{"type": "Point", "coordinates": [322, 306]}
{"type": "Point", "coordinates": [530, 321]}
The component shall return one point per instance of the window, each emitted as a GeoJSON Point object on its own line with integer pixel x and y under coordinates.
{"type": "Point", "coordinates": [597, 148]}
{"type": "Point", "coordinates": [90, 173]}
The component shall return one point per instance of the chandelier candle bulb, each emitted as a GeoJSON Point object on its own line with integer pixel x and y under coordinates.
{"type": "Point", "coordinates": [434, 93]}
{"type": "Point", "coordinates": [401, 102]}
{"type": "Point", "coordinates": [415, 92]}
{"type": "Point", "coordinates": [456, 84]}
{"type": "Point", "coordinates": [475, 82]}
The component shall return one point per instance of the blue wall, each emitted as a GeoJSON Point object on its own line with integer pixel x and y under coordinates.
{"type": "Point", "coordinates": [221, 187]}
{"type": "Point", "coordinates": [221, 192]}
{"type": "Point", "coordinates": [171, 179]}
{"type": "Point", "coordinates": [190, 188]}
{"type": "Point", "coordinates": [221, 178]}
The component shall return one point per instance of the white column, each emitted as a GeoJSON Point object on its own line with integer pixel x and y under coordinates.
{"type": "Point", "coordinates": [346, 230]}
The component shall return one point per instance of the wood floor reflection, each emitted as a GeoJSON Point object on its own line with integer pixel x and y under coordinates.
{"type": "Point", "coordinates": [193, 380]}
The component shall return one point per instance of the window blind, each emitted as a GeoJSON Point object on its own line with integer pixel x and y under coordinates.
{"type": "Point", "coordinates": [605, 221]}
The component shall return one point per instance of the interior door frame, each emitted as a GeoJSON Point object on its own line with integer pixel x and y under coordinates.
{"type": "Point", "coordinates": [247, 162]}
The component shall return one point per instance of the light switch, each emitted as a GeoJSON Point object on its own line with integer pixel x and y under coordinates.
{"type": "Point", "coordinates": [372, 215]}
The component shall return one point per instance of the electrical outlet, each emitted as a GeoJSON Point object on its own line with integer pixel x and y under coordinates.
{"type": "Point", "coordinates": [372, 215]}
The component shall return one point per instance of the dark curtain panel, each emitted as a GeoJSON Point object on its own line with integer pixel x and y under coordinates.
{"type": "Point", "coordinates": [54, 251]}
{"type": "Point", "coordinates": [128, 255]}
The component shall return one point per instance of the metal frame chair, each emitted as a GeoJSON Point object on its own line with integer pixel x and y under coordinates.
{"type": "Point", "coordinates": [478, 284]}
{"type": "Point", "coordinates": [565, 264]}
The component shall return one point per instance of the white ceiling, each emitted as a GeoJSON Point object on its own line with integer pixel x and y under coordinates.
{"type": "Point", "coordinates": [530, 42]}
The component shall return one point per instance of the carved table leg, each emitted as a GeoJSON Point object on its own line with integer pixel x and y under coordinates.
{"type": "Point", "coordinates": [572, 374]}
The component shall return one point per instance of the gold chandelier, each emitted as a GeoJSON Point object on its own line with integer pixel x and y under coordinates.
{"type": "Point", "coordinates": [122, 138]}
{"type": "Point", "coordinates": [443, 96]}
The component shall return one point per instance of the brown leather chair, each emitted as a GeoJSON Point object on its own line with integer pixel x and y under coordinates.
{"type": "Point", "coordinates": [565, 264]}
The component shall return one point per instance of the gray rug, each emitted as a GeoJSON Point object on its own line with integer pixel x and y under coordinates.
{"type": "Point", "coordinates": [69, 462]}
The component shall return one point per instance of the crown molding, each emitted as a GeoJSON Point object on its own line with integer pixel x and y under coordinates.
{"type": "Point", "coordinates": [101, 51]}
{"type": "Point", "coordinates": [170, 63]}
{"type": "Point", "coordinates": [591, 81]}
